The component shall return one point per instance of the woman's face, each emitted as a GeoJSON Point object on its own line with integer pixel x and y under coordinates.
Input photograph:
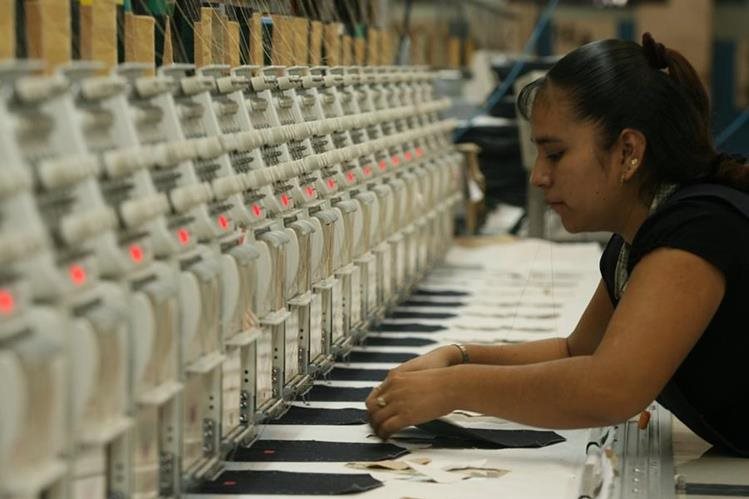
{"type": "Point", "coordinates": [580, 182]}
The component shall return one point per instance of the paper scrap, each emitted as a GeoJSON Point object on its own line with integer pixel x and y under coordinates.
{"type": "Point", "coordinates": [389, 464]}
{"type": "Point", "coordinates": [436, 474]}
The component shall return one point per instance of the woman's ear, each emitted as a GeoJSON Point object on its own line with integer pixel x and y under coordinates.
{"type": "Point", "coordinates": [633, 144]}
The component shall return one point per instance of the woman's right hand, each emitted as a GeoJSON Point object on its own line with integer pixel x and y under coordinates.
{"type": "Point", "coordinates": [445, 356]}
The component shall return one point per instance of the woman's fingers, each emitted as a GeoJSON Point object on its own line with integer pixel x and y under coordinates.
{"type": "Point", "coordinates": [385, 409]}
{"type": "Point", "coordinates": [391, 425]}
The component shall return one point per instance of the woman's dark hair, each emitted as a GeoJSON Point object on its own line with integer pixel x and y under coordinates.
{"type": "Point", "coordinates": [619, 84]}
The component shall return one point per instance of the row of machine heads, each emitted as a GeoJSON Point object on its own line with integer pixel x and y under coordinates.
{"type": "Point", "coordinates": [181, 255]}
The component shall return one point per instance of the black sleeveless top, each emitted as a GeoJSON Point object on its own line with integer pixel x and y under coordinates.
{"type": "Point", "coordinates": [710, 390]}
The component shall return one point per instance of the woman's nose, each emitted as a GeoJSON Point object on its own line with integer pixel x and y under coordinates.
{"type": "Point", "coordinates": [540, 176]}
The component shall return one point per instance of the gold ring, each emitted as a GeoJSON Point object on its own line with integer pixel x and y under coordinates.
{"type": "Point", "coordinates": [381, 401]}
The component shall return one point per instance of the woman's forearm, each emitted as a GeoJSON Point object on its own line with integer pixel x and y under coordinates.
{"type": "Point", "coordinates": [519, 354]}
{"type": "Point", "coordinates": [566, 393]}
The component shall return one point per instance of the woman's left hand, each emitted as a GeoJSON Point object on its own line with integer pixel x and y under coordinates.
{"type": "Point", "coordinates": [407, 398]}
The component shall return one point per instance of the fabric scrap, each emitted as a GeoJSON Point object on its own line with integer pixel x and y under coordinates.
{"type": "Point", "coordinates": [406, 341]}
{"type": "Point", "coordinates": [355, 374]}
{"type": "Point", "coordinates": [443, 435]}
{"type": "Point", "coordinates": [383, 357]}
{"type": "Point", "coordinates": [388, 464]}
{"type": "Point", "coordinates": [319, 416]}
{"type": "Point", "coordinates": [270, 482]}
{"type": "Point", "coordinates": [316, 451]}
{"type": "Point", "coordinates": [324, 393]}
{"type": "Point", "coordinates": [409, 327]}
{"type": "Point", "coordinates": [436, 474]}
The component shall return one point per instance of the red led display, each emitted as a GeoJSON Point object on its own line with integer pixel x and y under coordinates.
{"type": "Point", "coordinates": [7, 302]}
{"type": "Point", "coordinates": [223, 222]}
{"type": "Point", "coordinates": [77, 274]}
{"type": "Point", "coordinates": [350, 177]}
{"type": "Point", "coordinates": [408, 155]}
{"type": "Point", "coordinates": [383, 165]}
{"type": "Point", "coordinates": [257, 210]}
{"type": "Point", "coordinates": [331, 183]}
{"type": "Point", "coordinates": [136, 253]}
{"type": "Point", "coordinates": [367, 171]}
{"type": "Point", "coordinates": [285, 199]}
{"type": "Point", "coordinates": [183, 235]}
{"type": "Point", "coordinates": [395, 160]}
{"type": "Point", "coordinates": [310, 191]}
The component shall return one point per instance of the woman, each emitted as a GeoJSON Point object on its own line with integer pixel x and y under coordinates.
{"type": "Point", "coordinates": [624, 145]}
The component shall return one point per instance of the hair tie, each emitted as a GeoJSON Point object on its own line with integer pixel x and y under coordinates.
{"type": "Point", "coordinates": [655, 52]}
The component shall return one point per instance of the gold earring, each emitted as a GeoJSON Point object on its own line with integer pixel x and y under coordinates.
{"type": "Point", "coordinates": [634, 161]}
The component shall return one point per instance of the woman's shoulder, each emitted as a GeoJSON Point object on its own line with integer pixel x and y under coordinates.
{"type": "Point", "coordinates": [708, 225]}
{"type": "Point", "coordinates": [707, 204]}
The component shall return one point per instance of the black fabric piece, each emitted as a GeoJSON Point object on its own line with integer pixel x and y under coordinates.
{"type": "Point", "coordinates": [441, 434]}
{"type": "Point", "coordinates": [420, 315]}
{"type": "Point", "coordinates": [716, 489]}
{"type": "Point", "coordinates": [442, 304]}
{"type": "Point", "coordinates": [441, 292]}
{"type": "Point", "coordinates": [709, 392]}
{"type": "Point", "coordinates": [318, 416]}
{"type": "Point", "coordinates": [379, 357]}
{"type": "Point", "coordinates": [322, 393]}
{"type": "Point", "coordinates": [410, 327]}
{"type": "Point", "coordinates": [406, 341]}
{"type": "Point", "coordinates": [316, 451]}
{"type": "Point", "coordinates": [355, 374]}
{"type": "Point", "coordinates": [269, 482]}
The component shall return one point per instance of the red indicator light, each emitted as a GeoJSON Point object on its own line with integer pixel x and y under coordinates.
{"type": "Point", "coordinates": [310, 191]}
{"type": "Point", "coordinates": [77, 274]}
{"type": "Point", "coordinates": [367, 171]}
{"type": "Point", "coordinates": [350, 177]}
{"type": "Point", "coordinates": [257, 210]}
{"type": "Point", "coordinates": [395, 160]}
{"type": "Point", "coordinates": [184, 236]}
{"type": "Point", "coordinates": [7, 303]}
{"type": "Point", "coordinates": [223, 222]}
{"type": "Point", "coordinates": [419, 152]}
{"type": "Point", "coordinates": [331, 183]}
{"type": "Point", "coordinates": [408, 155]}
{"type": "Point", "coordinates": [285, 199]}
{"type": "Point", "coordinates": [136, 253]}
{"type": "Point", "coordinates": [383, 165]}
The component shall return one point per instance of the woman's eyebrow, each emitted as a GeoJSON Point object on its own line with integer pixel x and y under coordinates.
{"type": "Point", "coordinates": [545, 139]}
